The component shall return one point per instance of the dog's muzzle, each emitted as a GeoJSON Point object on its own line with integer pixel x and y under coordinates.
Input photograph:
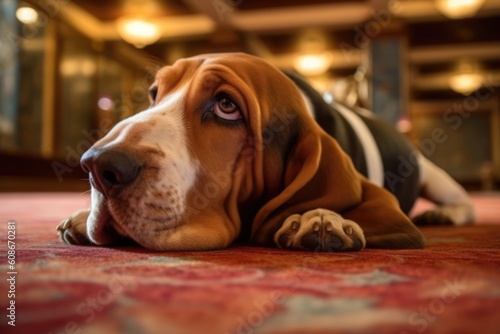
{"type": "Point", "coordinates": [110, 170]}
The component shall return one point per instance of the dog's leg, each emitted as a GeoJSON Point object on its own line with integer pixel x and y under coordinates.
{"type": "Point", "coordinates": [453, 206]}
{"type": "Point", "coordinates": [377, 222]}
{"type": "Point", "coordinates": [384, 224]}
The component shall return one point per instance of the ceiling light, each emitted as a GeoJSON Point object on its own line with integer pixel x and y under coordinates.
{"type": "Point", "coordinates": [313, 64]}
{"type": "Point", "coordinates": [137, 31]}
{"type": "Point", "coordinates": [26, 15]}
{"type": "Point", "coordinates": [466, 83]}
{"type": "Point", "coordinates": [467, 77]}
{"type": "Point", "coordinates": [457, 9]}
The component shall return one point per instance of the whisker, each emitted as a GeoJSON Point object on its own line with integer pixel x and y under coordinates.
{"type": "Point", "coordinates": [85, 192]}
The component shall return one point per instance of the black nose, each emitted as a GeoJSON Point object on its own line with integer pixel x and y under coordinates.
{"type": "Point", "coordinates": [109, 169]}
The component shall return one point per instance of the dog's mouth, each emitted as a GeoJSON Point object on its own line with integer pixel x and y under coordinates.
{"type": "Point", "coordinates": [108, 226]}
{"type": "Point", "coordinates": [104, 229]}
{"type": "Point", "coordinates": [126, 218]}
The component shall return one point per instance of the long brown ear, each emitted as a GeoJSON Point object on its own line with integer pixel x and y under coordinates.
{"type": "Point", "coordinates": [318, 174]}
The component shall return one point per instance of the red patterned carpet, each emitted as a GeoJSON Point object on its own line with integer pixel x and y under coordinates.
{"type": "Point", "coordinates": [452, 286]}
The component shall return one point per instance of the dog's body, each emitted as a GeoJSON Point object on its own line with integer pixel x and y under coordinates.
{"type": "Point", "coordinates": [376, 149]}
{"type": "Point", "coordinates": [387, 159]}
{"type": "Point", "coordinates": [229, 147]}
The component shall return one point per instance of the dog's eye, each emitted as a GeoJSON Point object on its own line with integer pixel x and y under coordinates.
{"type": "Point", "coordinates": [226, 109]}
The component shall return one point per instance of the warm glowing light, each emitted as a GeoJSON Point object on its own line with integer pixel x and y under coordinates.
{"type": "Point", "coordinates": [138, 32]}
{"type": "Point", "coordinates": [78, 66]}
{"type": "Point", "coordinates": [457, 9]}
{"type": "Point", "coordinates": [105, 103]}
{"type": "Point", "coordinates": [26, 15]}
{"type": "Point", "coordinates": [313, 64]}
{"type": "Point", "coordinates": [466, 83]}
{"type": "Point", "coordinates": [404, 125]}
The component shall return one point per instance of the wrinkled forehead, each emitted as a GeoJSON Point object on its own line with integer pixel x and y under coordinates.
{"type": "Point", "coordinates": [174, 76]}
{"type": "Point", "coordinates": [252, 70]}
{"type": "Point", "coordinates": [252, 75]}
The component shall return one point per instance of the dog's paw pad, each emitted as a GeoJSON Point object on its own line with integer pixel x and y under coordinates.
{"type": "Point", "coordinates": [322, 238]}
{"type": "Point", "coordinates": [310, 241]}
{"type": "Point", "coordinates": [320, 230]}
{"type": "Point", "coordinates": [334, 244]}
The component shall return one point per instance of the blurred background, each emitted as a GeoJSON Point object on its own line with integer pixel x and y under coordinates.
{"type": "Point", "coordinates": [69, 70]}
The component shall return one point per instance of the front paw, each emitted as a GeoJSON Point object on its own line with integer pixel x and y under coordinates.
{"type": "Point", "coordinates": [73, 230]}
{"type": "Point", "coordinates": [320, 230]}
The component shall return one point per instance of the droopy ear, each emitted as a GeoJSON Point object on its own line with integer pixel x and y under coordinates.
{"type": "Point", "coordinates": [318, 174]}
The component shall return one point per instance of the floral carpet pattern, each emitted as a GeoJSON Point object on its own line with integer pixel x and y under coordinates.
{"type": "Point", "coordinates": [452, 286]}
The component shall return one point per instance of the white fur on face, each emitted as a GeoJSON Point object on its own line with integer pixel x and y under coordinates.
{"type": "Point", "coordinates": [156, 201]}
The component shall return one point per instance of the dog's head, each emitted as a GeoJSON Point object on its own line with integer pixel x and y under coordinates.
{"type": "Point", "coordinates": [225, 135]}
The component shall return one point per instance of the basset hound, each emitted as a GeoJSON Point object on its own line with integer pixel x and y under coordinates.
{"type": "Point", "coordinates": [229, 149]}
